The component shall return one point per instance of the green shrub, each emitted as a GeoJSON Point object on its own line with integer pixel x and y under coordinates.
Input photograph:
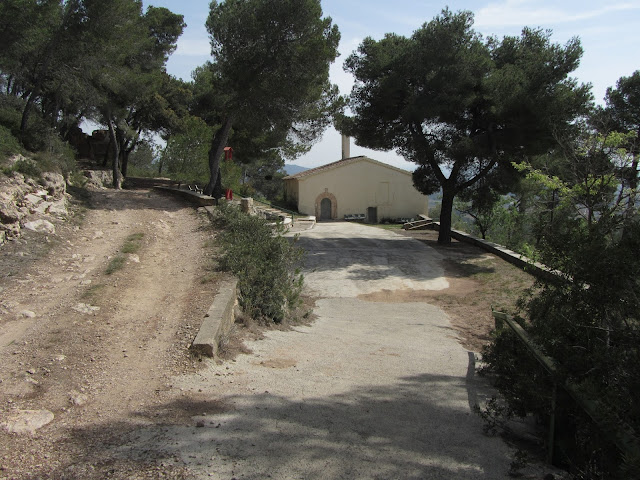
{"type": "Point", "coordinates": [9, 145]}
{"type": "Point", "coordinates": [28, 167]}
{"type": "Point", "coordinates": [57, 155]}
{"type": "Point", "coordinates": [11, 108]}
{"type": "Point", "coordinates": [590, 325]}
{"type": "Point", "coordinates": [267, 265]}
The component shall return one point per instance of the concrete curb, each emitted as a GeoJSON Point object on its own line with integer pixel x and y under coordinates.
{"type": "Point", "coordinates": [526, 264]}
{"type": "Point", "coordinates": [218, 320]}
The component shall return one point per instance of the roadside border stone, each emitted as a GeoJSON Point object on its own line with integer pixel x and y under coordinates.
{"type": "Point", "coordinates": [218, 320]}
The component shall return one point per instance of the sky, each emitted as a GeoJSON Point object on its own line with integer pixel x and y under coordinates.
{"type": "Point", "coordinates": [609, 33]}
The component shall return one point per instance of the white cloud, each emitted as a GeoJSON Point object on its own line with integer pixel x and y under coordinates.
{"type": "Point", "coordinates": [193, 46]}
{"type": "Point", "coordinates": [526, 12]}
{"type": "Point", "coordinates": [343, 79]}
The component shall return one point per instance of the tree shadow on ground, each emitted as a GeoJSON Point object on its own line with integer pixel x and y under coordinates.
{"type": "Point", "coordinates": [133, 199]}
{"type": "Point", "coordinates": [420, 427]}
{"type": "Point", "coordinates": [368, 259]}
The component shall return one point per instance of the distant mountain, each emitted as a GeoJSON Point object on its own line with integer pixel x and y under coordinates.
{"type": "Point", "coordinates": [435, 198]}
{"type": "Point", "coordinates": [293, 169]}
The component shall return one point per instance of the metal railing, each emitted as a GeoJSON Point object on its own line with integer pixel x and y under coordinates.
{"type": "Point", "coordinates": [623, 436]}
{"type": "Point", "coordinates": [291, 213]}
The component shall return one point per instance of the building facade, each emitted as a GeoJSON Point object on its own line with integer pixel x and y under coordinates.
{"type": "Point", "coordinates": [356, 187]}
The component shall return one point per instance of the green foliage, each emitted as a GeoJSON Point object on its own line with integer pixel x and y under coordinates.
{"type": "Point", "coordinates": [59, 157]}
{"type": "Point", "coordinates": [266, 179]}
{"type": "Point", "coordinates": [185, 156]}
{"type": "Point", "coordinates": [267, 265]}
{"type": "Point", "coordinates": [9, 145]}
{"type": "Point", "coordinates": [459, 106]}
{"type": "Point", "coordinates": [623, 105]}
{"type": "Point", "coordinates": [270, 75]}
{"type": "Point", "coordinates": [63, 62]}
{"type": "Point", "coordinates": [458, 222]}
{"type": "Point", "coordinates": [231, 175]}
{"type": "Point", "coordinates": [27, 167]}
{"type": "Point", "coordinates": [10, 113]}
{"type": "Point", "coordinates": [589, 321]}
{"type": "Point", "coordinates": [143, 161]}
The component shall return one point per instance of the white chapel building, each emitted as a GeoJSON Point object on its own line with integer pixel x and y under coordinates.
{"type": "Point", "coordinates": [357, 187]}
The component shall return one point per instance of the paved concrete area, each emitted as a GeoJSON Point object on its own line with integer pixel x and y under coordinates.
{"type": "Point", "coordinates": [348, 259]}
{"type": "Point", "coordinates": [368, 391]}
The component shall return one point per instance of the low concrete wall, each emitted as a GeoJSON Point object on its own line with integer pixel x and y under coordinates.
{"type": "Point", "coordinates": [218, 320]}
{"type": "Point", "coordinates": [535, 268]}
{"type": "Point", "coordinates": [193, 197]}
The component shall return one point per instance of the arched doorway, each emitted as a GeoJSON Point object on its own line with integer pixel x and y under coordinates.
{"type": "Point", "coordinates": [325, 209]}
{"type": "Point", "coordinates": [326, 206]}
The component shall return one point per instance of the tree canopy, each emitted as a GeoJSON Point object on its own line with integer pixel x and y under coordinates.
{"type": "Point", "coordinates": [271, 67]}
{"type": "Point", "coordinates": [88, 59]}
{"type": "Point", "coordinates": [460, 106]}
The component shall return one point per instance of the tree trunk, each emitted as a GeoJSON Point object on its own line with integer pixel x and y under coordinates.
{"type": "Point", "coordinates": [125, 161]}
{"type": "Point", "coordinates": [105, 158]}
{"type": "Point", "coordinates": [128, 147]}
{"type": "Point", "coordinates": [218, 143]}
{"type": "Point", "coordinates": [117, 176]}
{"type": "Point", "coordinates": [125, 151]}
{"type": "Point", "coordinates": [448, 194]}
{"type": "Point", "coordinates": [37, 88]}
{"type": "Point", "coordinates": [25, 114]}
{"type": "Point", "coordinates": [631, 202]}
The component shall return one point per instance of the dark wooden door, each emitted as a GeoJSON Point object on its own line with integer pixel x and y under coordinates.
{"type": "Point", "coordinates": [372, 214]}
{"type": "Point", "coordinates": [325, 209]}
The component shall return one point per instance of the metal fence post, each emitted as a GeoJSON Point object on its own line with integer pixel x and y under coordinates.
{"type": "Point", "coordinates": [552, 424]}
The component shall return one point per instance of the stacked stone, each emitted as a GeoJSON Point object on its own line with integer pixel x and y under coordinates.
{"type": "Point", "coordinates": [25, 203]}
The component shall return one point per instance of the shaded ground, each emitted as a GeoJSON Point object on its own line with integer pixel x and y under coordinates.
{"type": "Point", "coordinates": [477, 281]}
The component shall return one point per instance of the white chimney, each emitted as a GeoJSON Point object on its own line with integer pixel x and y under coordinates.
{"type": "Point", "coordinates": [346, 147]}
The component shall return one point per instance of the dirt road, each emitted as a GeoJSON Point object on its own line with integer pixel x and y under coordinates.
{"type": "Point", "coordinates": [98, 351]}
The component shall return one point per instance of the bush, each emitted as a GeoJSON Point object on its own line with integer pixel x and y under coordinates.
{"type": "Point", "coordinates": [9, 145]}
{"type": "Point", "coordinates": [58, 156]}
{"type": "Point", "coordinates": [11, 113]}
{"type": "Point", "coordinates": [590, 325]}
{"type": "Point", "coordinates": [267, 265]}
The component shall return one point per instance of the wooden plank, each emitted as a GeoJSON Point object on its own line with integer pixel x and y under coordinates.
{"type": "Point", "coordinates": [417, 224]}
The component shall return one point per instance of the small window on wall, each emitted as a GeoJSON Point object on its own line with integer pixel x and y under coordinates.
{"type": "Point", "coordinates": [382, 194]}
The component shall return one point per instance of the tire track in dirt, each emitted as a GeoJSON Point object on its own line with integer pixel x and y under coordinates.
{"type": "Point", "coordinates": [104, 367]}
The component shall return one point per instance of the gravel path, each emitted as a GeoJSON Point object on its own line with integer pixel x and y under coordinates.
{"type": "Point", "coordinates": [369, 390]}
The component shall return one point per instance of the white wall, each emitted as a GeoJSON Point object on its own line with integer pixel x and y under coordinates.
{"type": "Point", "coordinates": [361, 183]}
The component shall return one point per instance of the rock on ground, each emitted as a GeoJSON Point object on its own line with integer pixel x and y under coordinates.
{"type": "Point", "coordinates": [27, 421]}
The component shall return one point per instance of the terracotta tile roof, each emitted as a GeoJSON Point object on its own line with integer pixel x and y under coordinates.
{"type": "Point", "coordinates": [341, 163]}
